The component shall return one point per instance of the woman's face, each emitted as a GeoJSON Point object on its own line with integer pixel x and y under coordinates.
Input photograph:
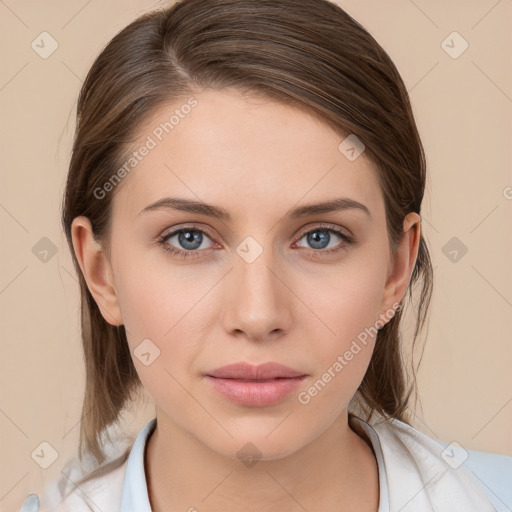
{"type": "Point", "coordinates": [261, 284]}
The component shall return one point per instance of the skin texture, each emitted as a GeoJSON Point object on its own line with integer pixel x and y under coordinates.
{"type": "Point", "coordinates": [257, 159]}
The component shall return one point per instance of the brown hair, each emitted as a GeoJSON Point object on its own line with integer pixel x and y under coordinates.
{"type": "Point", "coordinates": [309, 54]}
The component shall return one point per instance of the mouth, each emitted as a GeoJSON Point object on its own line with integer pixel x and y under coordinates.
{"type": "Point", "coordinates": [255, 380]}
{"type": "Point", "coordinates": [249, 372]}
{"type": "Point", "coordinates": [255, 386]}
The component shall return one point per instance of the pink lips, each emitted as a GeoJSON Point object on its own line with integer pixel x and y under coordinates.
{"type": "Point", "coordinates": [246, 384]}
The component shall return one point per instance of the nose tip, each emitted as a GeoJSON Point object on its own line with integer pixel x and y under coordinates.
{"type": "Point", "coordinates": [256, 297]}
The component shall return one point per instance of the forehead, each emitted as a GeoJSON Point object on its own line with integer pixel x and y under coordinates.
{"type": "Point", "coordinates": [250, 154]}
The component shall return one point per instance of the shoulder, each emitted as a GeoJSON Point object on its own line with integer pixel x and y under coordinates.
{"type": "Point", "coordinates": [82, 484]}
{"type": "Point", "coordinates": [74, 491]}
{"type": "Point", "coordinates": [450, 466]}
{"type": "Point", "coordinates": [493, 472]}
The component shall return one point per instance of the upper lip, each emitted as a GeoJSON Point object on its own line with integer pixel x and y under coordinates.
{"type": "Point", "coordinates": [248, 371]}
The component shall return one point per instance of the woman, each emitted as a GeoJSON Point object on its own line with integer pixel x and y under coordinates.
{"type": "Point", "coordinates": [243, 209]}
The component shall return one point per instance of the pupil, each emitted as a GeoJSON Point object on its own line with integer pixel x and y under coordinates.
{"type": "Point", "coordinates": [190, 239]}
{"type": "Point", "coordinates": [317, 238]}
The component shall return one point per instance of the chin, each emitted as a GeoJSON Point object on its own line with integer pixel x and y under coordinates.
{"type": "Point", "coordinates": [257, 441]}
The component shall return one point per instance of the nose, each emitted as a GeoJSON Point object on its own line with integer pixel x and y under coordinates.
{"type": "Point", "coordinates": [258, 299]}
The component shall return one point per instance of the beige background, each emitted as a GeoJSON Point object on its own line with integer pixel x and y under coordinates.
{"type": "Point", "coordinates": [463, 107]}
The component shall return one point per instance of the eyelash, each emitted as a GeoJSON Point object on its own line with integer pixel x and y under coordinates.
{"type": "Point", "coordinates": [161, 241]}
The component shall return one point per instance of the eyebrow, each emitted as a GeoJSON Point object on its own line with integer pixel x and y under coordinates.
{"type": "Point", "coordinates": [192, 206]}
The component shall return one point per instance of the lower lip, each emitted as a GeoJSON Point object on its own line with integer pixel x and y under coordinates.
{"type": "Point", "coordinates": [254, 393]}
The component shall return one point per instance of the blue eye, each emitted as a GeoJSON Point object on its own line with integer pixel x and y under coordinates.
{"type": "Point", "coordinates": [191, 240]}
{"type": "Point", "coordinates": [320, 237]}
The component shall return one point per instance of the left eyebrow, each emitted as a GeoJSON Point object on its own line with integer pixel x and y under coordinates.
{"type": "Point", "coordinates": [192, 206]}
{"type": "Point", "coordinates": [343, 203]}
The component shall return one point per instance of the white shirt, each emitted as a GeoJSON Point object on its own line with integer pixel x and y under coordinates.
{"type": "Point", "coordinates": [416, 474]}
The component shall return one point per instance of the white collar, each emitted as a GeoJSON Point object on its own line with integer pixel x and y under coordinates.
{"type": "Point", "coordinates": [418, 478]}
{"type": "Point", "coordinates": [135, 493]}
{"type": "Point", "coordinates": [413, 476]}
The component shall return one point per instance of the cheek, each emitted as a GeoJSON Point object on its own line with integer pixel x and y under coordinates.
{"type": "Point", "coordinates": [154, 304]}
{"type": "Point", "coordinates": [346, 307]}
{"type": "Point", "coordinates": [344, 302]}
{"type": "Point", "coordinates": [153, 296]}
{"type": "Point", "coordinates": [342, 357]}
{"type": "Point", "coordinates": [166, 306]}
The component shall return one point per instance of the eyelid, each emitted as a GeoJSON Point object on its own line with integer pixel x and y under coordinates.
{"type": "Point", "coordinates": [188, 225]}
{"type": "Point", "coordinates": [324, 225]}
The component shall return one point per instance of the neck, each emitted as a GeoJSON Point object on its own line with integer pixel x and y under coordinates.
{"type": "Point", "coordinates": [336, 471]}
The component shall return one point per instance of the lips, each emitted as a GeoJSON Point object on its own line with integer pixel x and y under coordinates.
{"type": "Point", "coordinates": [248, 372]}
{"type": "Point", "coordinates": [255, 385]}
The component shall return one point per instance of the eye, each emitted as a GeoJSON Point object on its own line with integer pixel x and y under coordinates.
{"type": "Point", "coordinates": [320, 239]}
{"type": "Point", "coordinates": [188, 241]}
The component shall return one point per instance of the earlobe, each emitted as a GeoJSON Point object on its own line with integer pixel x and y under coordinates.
{"type": "Point", "coordinates": [404, 262]}
{"type": "Point", "coordinates": [96, 270]}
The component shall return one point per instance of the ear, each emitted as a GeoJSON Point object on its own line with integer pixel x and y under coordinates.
{"type": "Point", "coordinates": [400, 271]}
{"type": "Point", "coordinates": [96, 269]}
